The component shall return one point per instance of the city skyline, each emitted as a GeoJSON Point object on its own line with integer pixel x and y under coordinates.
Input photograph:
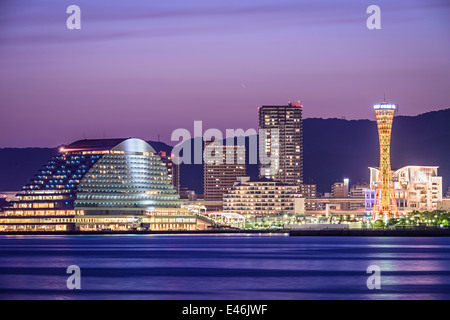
{"type": "Point", "coordinates": [323, 171]}
{"type": "Point", "coordinates": [216, 156]}
{"type": "Point", "coordinates": [206, 61]}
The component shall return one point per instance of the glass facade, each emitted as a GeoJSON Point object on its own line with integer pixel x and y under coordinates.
{"type": "Point", "coordinates": [53, 190]}
{"type": "Point", "coordinates": [121, 183]}
{"type": "Point", "coordinates": [113, 184]}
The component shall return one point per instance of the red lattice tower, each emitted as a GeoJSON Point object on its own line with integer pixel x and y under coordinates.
{"type": "Point", "coordinates": [385, 205]}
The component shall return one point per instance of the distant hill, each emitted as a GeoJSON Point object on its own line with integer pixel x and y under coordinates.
{"type": "Point", "coordinates": [334, 149]}
{"type": "Point", "coordinates": [17, 166]}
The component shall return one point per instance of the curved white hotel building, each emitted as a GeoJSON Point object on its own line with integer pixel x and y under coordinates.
{"type": "Point", "coordinates": [107, 184]}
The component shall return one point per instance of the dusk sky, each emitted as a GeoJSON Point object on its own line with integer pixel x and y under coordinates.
{"type": "Point", "coordinates": [143, 68]}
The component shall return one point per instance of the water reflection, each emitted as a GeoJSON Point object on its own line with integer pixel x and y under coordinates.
{"type": "Point", "coordinates": [223, 267]}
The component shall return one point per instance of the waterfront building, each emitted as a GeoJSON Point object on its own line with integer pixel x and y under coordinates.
{"type": "Point", "coordinates": [444, 204]}
{"type": "Point", "coordinates": [340, 190]}
{"type": "Point", "coordinates": [3, 202]}
{"type": "Point", "coordinates": [309, 191]}
{"type": "Point", "coordinates": [263, 198]}
{"type": "Point", "coordinates": [190, 195]}
{"type": "Point", "coordinates": [415, 187]}
{"type": "Point", "coordinates": [208, 206]}
{"type": "Point", "coordinates": [9, 195]}
{"type": "Point", "coordinates": [105, 184]}
{"type": "Point", "coordinates": [6, 198]}
{"type": "Point", "coordinates": [223, 164]}
{"type": "Point", "coordinates": [173, 169]}
{"type": "Point", "coordinates": [369, 200]}
{"type": "Point", "coordinates": [281, 140]}
{"type": "Point", "coordinates": [358, 191]}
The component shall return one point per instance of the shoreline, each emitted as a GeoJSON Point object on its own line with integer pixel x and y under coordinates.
{"type": "Point", "coordinates": [432, 232]}
{"type": "Point", "coordinates": [135, 232]}
{"type": "Point", "coordinates": [293, 233]}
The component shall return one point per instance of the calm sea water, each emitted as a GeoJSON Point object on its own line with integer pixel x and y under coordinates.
{"type": "Point", "coordinates": [202, 267]}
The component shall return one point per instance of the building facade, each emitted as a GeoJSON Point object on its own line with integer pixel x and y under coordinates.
{"type": "Point", "coordinates": [416, 188]}
{"type": "Point", "coordinates": [222, 166]}
{"type": "Point", "coordinates": [358, 191]}
{"type": "Point", "coordinates": [263, 198]}
{"type": "Point", "coordinates": [173, 169]}
{"type": "Point", "coordinates": [281, 141]}
{"type": "Point", "coordinates": [309, 191]}
{"type": "Point", "coordinates": [112, 184]}
{"type": "Point", "coordinates": [340, 190]}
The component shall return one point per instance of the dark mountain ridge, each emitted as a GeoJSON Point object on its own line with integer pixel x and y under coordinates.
{"type": "Point", "coordinates": [334, 149]}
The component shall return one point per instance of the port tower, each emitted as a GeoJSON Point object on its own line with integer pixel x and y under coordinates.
{"type": "Point", "coordinates": [385, 206]}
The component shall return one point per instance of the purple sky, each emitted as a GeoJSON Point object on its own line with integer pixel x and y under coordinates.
{"type": "Point", "coordinates": [139, 68]}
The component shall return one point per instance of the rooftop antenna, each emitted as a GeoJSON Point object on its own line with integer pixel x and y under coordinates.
{"type": "Point", "coordinates": [158, 137]}
{"type": "Point", "coordinates": [84, 135]}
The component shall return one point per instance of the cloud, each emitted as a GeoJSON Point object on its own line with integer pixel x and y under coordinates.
{"type": "Point", "coordinates": [47, 26]}
{"type": "Point", "coordinates": [119, 20]}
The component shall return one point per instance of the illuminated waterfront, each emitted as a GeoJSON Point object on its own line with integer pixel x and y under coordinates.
{"type": "Point", "coordinates": [223, 267]}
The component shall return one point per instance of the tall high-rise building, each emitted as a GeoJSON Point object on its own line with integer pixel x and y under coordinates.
{"type": "Point", "coordinates": [281, 140]}
{"type": "Point", "coordinates": [385, 204]}
{"type": "Point", "coordinates": [222, 166]}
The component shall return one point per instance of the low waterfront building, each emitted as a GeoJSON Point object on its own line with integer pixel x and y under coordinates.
{"type": "Point", "coordinates": [358, 191]}
{"type": "Point", "coordinates": [185, 193]}
{"type": "Point", "coordinates": [173, 169]}
{"type": "Point", "coordinates": [340, 190]}
{"type": "Point", "coordinates": [107, 184]}
{"type": "Point", "coordinates": [8, 195]}
{"type": "Point", "coordinates": [416, 188]}
{"type": "Point", "coordinates": [3, 203]}
{"type": "Point", "coordinates": [309, 191]}
{"type": "Point", "coordinates": [209, 206]}
{"type": "Point", "coordinates": [263, 197]}
{"type": "Point", "coordinates": [444, 204]}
